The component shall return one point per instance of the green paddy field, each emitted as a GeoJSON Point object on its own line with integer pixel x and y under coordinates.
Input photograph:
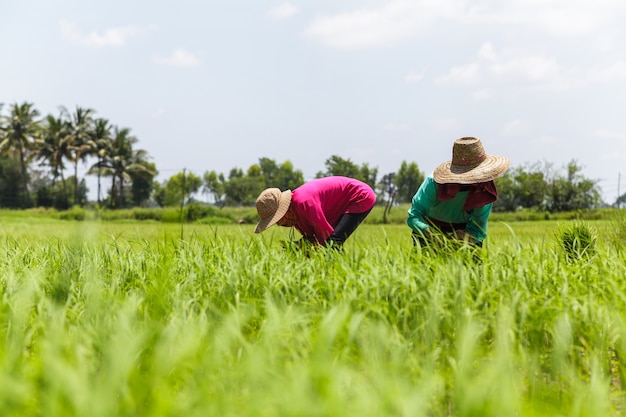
{"type": "Point", "coordinates": [150, 319]}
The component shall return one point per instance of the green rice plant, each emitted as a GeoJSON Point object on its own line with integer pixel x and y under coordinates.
{"type": "Point", "coordinates": [136, 319]}
{"type": "Point", "coordinates": [577, 240]}
{"type": "Point", "coordinates": [619, 229]}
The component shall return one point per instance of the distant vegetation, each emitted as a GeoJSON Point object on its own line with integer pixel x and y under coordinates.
{"type": "Point", "coordinates": [40, 157]}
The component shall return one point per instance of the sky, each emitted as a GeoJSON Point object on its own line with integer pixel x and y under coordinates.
{"type": "Point", "coordinates": [218, 84]}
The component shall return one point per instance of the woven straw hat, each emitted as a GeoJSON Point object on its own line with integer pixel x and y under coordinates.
{"type": "Point", "coordinates": [470, 164]}
{"type": "Point", "coordinates": [271, 205]}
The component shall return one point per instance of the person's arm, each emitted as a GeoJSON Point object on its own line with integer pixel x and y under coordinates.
{"type": "Point", "coordinates": [422, 201]}
{"type": "Point", "coordinates": [477, 224]}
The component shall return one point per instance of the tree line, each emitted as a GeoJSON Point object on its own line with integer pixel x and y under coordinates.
{"type": "Point", "coordinates": [36, 152]}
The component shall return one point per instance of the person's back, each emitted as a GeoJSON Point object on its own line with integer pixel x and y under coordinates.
{"type": "Point", "coordinates": [320, 203]}
{"type": "Point", "coordinates": [457, 198]}
{"type": "Point", "coordinates": [324, 210]}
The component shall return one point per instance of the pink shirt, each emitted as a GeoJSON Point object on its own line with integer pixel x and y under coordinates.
{"type": "Point", "coordinates": [320, 203]}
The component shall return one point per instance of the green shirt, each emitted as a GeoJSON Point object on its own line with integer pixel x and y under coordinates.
{"type": "Point", "coordinates": [425, 205]}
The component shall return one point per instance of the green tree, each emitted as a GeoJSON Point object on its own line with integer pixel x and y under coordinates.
{"type": "Point", "coordinates": [102, 148]}
{"type": "Point", "coordinates": [80, 194]}
{"type": "Point", "coordinates": [389, 191]}
{"type": "Point", "coordinates": [142, 183]}
{"type": "Point", "coordinates": [214, 184]}
{"type": "Point", "coordinates": [573, 191]}
{"type": "Point", "coordinates": [244, 189]}
{"type": "Point", "coordinates": [19, 132]}
{"type": "Point", "coordinates": [180, 188]}
{"type": "Point", "coordinates": [288, 177]}
{"type": "Point", "coordinates": [52, 148]}
{"type": "Point", "coordinates": [121, 162]}
{"type": "Point", "coordinates": [408, 179]}
{"type": "Point", "coordinates": [281, 176]}
{"type": "Point", "coordinates": [507, 193]}
{"type": "Point", "coordinates": [621, 200]}
{"type": "Point", "coordinates": [10, 182]}
{"type": "Point", "coordinates": [159, 194]}
{"type": "Point", "coordinates": [336, 165]}
{"type": "Point", "coordinates": [368, 175]}
{"type": "Point", "coordinates": [525, 186]}
{"type": "Point", "coordinates": [81, 143]}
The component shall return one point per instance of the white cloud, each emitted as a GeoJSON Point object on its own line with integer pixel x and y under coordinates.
{"type": "Point", "coordinates": [468, 74]}
{"type": "Point", "coordinates": [179, 58]}
{"type": "Point", "coordinates": [115, 36]}
{"type": "Point", "coordinates": [517, 69]}
{"type": "Point", "coordinates": [395, 21]}
{"type": "Point", "coordinates": [283, 11]}
{"type": "Point", "coordinates": [414, 77]}
{"type": "Point", "coordinates": [389, 24]}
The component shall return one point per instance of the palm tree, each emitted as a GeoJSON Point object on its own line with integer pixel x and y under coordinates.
{"type": "Point", "coordinates": [101, 138]}
{"type": "Point", "coordinates": [19, 132]}
{"type": "Point", "coordinates": [81, 144]}
{"type": "Point", "coordinates": [122, 161]}
{"type": "Point", "coordinates": [52, 148]}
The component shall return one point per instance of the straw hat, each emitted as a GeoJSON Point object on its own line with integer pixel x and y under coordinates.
{"type": "Point", "coordinates": [271, 205]}
{"type": "Point", "coordinates": [470, 164]}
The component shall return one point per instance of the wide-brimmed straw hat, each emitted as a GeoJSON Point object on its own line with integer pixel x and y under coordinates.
{"type": "Point", "coordinates": [271, 205]}
{"type": "Point", "coordinates": [470, 164]}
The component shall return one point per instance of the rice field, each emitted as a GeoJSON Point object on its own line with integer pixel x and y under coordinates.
{"type": "Point", "coordinates": [145, 319]}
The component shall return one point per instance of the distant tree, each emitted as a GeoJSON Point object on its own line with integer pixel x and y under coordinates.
{"type": "Point", "coordinates": [281, 176]}
{"type": "Point", "coordinates": [523, 187]}
{"type": "Point", "coordinates": [507, 193]}
{"type": "Point", "coordinates": [389, 191]}
{"type": "Point", "coordinates": [122, 161]}
{"type": "Point", "coordinates": [408, 179]}
{"type": "Point", "coordinates": [288, 177]}
{"type": "Point", "coordinates": [336, 165]}
{"type": "Point", "coordinates": [78, 197]}
{"type": "Point", "coordinates": [180, 188]}
{"type": "Point", "coordinates": [214, 184]}
{"type": "Point", "coordinates": [235, 173]}
{"type": "Point", "coordinates": [142, 183]}
{"type": "Point", "coordinates": [269, 169]}
{"type": "Point", "coordinates": [102, 149]}
{"type": "Point", "coordinates": [158, 194]}
{"type": "Point", "coordinates": [621, 200]}
{"type": "Point", "coordinates": [573, 191]}
{"type": "Point", "coordinates": [19, 130]}
{"type": "Point", "coordinates": [10, 182]}
{"type": "Point", "coordinates": [244, 189]}
{"type": "Point", "coordinates": [52, 149]}
{"type": "Point", "coordinates": [368, 175]}
{"type": "Point", "coordinates": [81, 144]}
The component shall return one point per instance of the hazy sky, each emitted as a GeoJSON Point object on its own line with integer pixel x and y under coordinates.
{"type": "Point", "coordinates": [213, 85]}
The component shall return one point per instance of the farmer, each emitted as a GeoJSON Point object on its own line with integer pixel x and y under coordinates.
{"type": "Point", "coordinates": [455, 201]}
{"type": "Point", "coordinates": [325, 211]}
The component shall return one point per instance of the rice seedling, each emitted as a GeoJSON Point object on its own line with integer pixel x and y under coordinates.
{"type": "Point", "coordinates": [577, 240]}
